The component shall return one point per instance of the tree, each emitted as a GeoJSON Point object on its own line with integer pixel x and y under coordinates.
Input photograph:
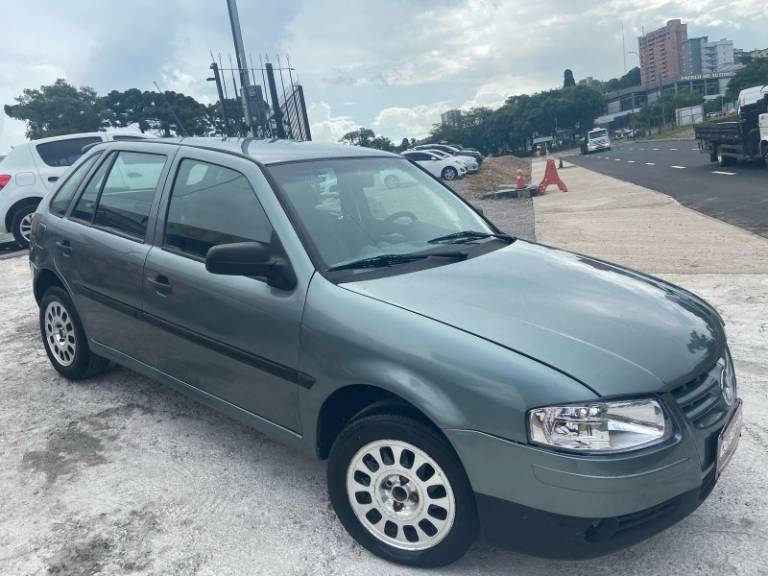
{"type": "Point", "coordinates": [568, 79]}
{"type": "Point", "coordinates": [57, 109]}
{"type": "Point", "coordinates": [404, 145]}
{"type": "Point", "coordinates": [359, 137]}
{"type": "Point", "coordinates": [755, 73]}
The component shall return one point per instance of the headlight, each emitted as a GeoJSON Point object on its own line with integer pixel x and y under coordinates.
{"type": "Point", "coordinates": [616, 426]}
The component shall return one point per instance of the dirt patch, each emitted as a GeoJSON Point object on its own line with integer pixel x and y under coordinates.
{"type": "Point", "coordinates": [495, 171]}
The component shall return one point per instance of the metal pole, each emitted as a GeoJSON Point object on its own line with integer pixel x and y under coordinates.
{"type": "Point", "coordinates": [276, 112]}
{"type": "Point", "coordinates": [219, 89]}
{"type": "Point", "coordinates": [242, 63]}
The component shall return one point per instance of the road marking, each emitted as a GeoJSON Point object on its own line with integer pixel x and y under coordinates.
{"type": "Point", "coordinates": [673, 149]}
{"type": "Point", "coordinates": [630, 161]}
{"type": "Point", "coordinates": [678, 167]}
{"type": "Point", "coordinates": [617, 159]}
{"type": "Point", "coordinates": [695, 149]}
{"type": "Point", "coordinates": [724, 173]}
{"type": "Point", "coordinates": [650, 163]}
{"type": "Point", "coordinates": [655, 149]}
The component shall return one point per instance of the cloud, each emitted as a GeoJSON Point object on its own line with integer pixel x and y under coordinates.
{"type": "Point", "coordinates": [411, 122]}
{"type": "Point", "coordinates": [326, 127]}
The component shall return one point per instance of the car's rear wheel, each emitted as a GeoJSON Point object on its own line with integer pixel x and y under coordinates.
{"type": "Point", "coordinates": [21, 223]}
{"type": "Point", "coordinates": [64, 338]}
{"type": "Point", "coordinates": [401, 492]}
{"type": "Point", "coordinates": [450, 173]}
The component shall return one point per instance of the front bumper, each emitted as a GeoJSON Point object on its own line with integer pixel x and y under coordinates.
{"type": "Point", "coordinates": [550, 535]}
{"type": "Point", "coordinates": [564, 505]}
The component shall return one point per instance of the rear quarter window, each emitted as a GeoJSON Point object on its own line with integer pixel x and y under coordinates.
{"type": "Point", "coordinates": [64, 152]}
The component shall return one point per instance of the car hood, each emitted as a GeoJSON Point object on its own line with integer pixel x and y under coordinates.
{"type": "Point", "coordinates": [615, 330]}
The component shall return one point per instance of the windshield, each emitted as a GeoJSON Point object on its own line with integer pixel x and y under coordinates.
{"type": "Point", "coordinates": [598, 134]}
{"type": "Point", "coordinates": [355, 209]}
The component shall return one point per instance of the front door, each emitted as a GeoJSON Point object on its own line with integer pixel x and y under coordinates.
{"type": "Point", "coordinates": [235, 338]}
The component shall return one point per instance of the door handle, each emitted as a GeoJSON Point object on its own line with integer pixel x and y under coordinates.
{"type": "Point", "coordinates": [52, 178]}
{"type": "Point", "coordinates": [160, 283]}
{"type": "Point", "coordinates": [64, 247]}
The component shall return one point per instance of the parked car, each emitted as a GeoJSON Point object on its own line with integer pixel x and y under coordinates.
{"type": "Point", "coordinates": [31, 170]}
{"type": "Point", "coordinates": [467, 161]}
{"type": "Point", "coordinates": [453, 376]}
{"type": "Point", "coordinates": [445, 168]}
{"type": "Point", "coordinates": [452, 150]}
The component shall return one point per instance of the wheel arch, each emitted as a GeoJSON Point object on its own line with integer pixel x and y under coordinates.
{"type": "Point", "coordinates": [45, 279]}
{"type": "Point", "coordinates": [355, 401]}
{"type": "Point", "coordinates": [16, 205]}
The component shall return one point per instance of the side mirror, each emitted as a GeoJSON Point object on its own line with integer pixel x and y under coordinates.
{"type": "Point", "coordinates": [251, 259]}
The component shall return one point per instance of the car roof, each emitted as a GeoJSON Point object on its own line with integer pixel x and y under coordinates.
{"type": "Point", "coordinates": [86, 135]}
{"type": "Point", "coordinates": [274, 151]}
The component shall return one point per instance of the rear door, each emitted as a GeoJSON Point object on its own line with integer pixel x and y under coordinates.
{"type": "Point", "coordinates": [53, 158]}
{"type": "Point", "coordinates": [103, 241]}
{"type": "Point", "coordinates": [233, 337]}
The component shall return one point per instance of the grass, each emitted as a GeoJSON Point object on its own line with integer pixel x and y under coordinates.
{"type": "Point", "coordinates": [677, 133]}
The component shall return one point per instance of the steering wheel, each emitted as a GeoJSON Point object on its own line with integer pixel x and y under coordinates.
{"type": "Point", "coordinates": [401, 214]}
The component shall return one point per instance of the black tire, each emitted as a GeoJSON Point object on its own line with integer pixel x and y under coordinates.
{"type": "Point", "coordinates": [394, 428]}
{"type": "Point", "coordinates": [80, 363]}
{"type": "Point", "coordinates": [722, 161]}
{"type": "Point", "coordinates": [449, 173]}
{"type": "Point", "coordinates": [20, 223]}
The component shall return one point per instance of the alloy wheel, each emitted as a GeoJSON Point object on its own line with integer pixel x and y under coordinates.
{"type": "Point", "coordinates": [60, 333]}
{"type": "Point", "coordinates": [25, 226]}
{"type": "Point", "coordinates": [400, 495]}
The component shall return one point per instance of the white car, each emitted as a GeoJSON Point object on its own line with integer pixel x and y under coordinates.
{"type": "Point", "coordinates": [452, 151]}
{"type": "Point", "coordinates": [33, 169]}
{"type": "Point", "coordinates": [445, 168]}
{"type": "Point", "coordinates": [469, 163]}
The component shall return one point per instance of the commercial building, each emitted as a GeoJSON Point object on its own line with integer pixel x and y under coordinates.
{"type": "Point", "coordinates": [700, 56]}
{"type": "Point", "coordinates": [660, 53]}
{"type": "Point", "coordinates": [451, 118]}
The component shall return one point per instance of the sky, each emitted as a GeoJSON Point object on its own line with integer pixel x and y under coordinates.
{"type": "Point", "coordinates": [390, 65]}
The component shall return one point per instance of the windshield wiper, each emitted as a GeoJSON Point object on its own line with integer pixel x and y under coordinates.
{"type": "Point", "coordinates": [469, 236]}
{"type": "Point", "coordinates": [385, 260]}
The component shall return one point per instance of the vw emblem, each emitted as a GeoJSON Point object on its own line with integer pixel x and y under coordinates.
{"type": "Point", "coordinates": [726, 386]}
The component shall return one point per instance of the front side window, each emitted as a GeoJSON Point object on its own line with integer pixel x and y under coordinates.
{"type": "Point", "coordinates": [126, 200]}
{"type": "Point", "coordinates": [64, 152]}
{"type": "Point", "coordinates": [212, 205]}
{"type": "Point", "coordinates": [66, 191]}
{"type": "Point", "coordinates": [375, 207]}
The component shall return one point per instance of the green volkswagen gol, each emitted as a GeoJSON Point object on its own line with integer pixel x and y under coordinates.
{"type": "Point", "coordinates": [346, 302]}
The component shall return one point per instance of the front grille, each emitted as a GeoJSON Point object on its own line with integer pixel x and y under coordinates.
{"type": "Point", "coordinates": [701, 399]}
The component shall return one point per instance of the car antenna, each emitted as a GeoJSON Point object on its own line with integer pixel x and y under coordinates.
{"type": "Point", "coordinates": [183, 130]}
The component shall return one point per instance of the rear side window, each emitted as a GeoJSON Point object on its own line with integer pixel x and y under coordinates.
{"type": "Point", "coordinates": [66, 191]}
{"type": "Point", "coordinates": [64, 152]}
{"type": "Point", "coordinates": [212, 205]}
{"type": "Point", "coordinates": [126, 199]}
{"type": "Point", "coordinates": [86, 204]}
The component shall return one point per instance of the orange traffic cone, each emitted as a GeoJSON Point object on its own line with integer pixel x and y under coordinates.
{"type": "Point", "coordinates": [551, 177]}
{"type": "Point", "coordinates": [520, 182]}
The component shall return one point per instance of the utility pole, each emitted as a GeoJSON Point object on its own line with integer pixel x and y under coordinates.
{"type": "Point", "coordinates": [242, 63]}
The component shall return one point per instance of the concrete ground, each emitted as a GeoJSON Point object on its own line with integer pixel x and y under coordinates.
{"type": "Point", "coordinates": [120, 475]}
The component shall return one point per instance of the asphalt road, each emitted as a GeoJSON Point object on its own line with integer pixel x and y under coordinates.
{"type": "Point", "coordinates": [736, 194]}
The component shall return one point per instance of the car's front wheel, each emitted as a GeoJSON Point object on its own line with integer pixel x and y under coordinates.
{"type": "Point", "coordinates": [401, 492]}
{"type": "Point", "coordinates": [64, 338]}
{"type": "Point", "coordinates": [21, 223]}
{"type": "Point", "coordinates": [450, 173]}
